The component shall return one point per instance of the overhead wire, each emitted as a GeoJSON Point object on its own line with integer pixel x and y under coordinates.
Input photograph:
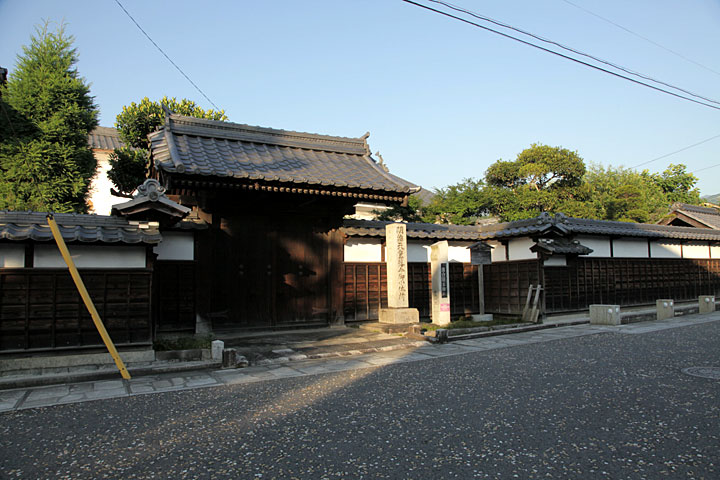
{"type": "Point", "coordinates": [641, 37]}
{"type": "Point", "coordinates": [166, 55]}
{"type": "Point", "coordinates": [570, 49]}
{"type": "Point", "coordinates": [677, 151]}
{"type": "Point", "coordinates": [567, 57]}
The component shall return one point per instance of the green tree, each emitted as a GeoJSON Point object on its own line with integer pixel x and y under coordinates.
{"type": "Point", "coordinates": [46, 115]}
{"type": "Point", "coordinates": [678, 185]}
{"type": "Point", "coordinates": [459, 204]}
{"type": "Point", "coordinates": [541, 179]}
{"type": "Point", "coordinates": [129, 164]}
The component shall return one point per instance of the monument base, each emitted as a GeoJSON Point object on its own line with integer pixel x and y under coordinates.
{"type": "Point", "coordinates": [399, 315]}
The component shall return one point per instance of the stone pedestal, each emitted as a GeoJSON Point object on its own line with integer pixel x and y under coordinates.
{"type": "Point", "coordinates": [397, 277]}
{"type": "Point", "coordinates": [605, 314]}
{"type": "Point", "coordinates": [440, 274]}
{"type": "Point", "coordinates": [706, 303]}
{"type": "Point", "coordinates": [665, 308]}
{"type": "Point", "coordinates": [216, 348]}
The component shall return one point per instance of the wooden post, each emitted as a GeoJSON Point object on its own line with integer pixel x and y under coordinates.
{"type": "Point", "coordinates": [86, 297]}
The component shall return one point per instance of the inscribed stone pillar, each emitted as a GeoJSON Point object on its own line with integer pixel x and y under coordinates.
{"type": "Point", "coordinates": [396, 258]}
{"type": "Point", "coordinates": [397, 277]}
{"type": "Point", "coordinates": [440, 283]}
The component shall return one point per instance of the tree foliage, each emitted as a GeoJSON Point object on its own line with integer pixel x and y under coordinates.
{"type": "Point", "coordinates": [554, 179]}
{"type": "Point", "coordinates": [134, 124]}
{"type": "Point", "coordinates": [46, 115]}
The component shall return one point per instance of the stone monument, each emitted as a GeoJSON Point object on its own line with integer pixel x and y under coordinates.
{"type": "Point", "coordinates": [439, 271]}
{"type": "Point", "coordinates": [397, 277]}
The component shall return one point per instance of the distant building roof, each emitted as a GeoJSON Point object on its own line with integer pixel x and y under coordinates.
{"type": "Point", "coordinates": [20, 226]}
{"type": "Point", "coordinates": [683, 214]}
{"type": "Point", "coordinates": [559, 223]}
{"type": "Point", "coordinates": [376, 228]}
{"type": "Point", "coordinates": [544, 225]}
{"type": "Point", "coordinates": [105, 138]}
{"type": "Point", "coordinates": [191, 148]}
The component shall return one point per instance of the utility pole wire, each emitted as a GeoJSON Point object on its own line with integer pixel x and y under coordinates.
{"type": "Point", "coordinates": [570, 49]}
{"type": "Point", "coordinates": [615, 74]}
{"type": "Point", "coordinates": [678, 151]}
{"type": "Point", "coordinates": [642, 37]}
{"type": "Point", "coordinates": [166, 56]}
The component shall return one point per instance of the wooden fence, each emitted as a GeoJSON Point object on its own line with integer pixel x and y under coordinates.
{"type": "Point", "coordinates": [41, 308]}
{"type": "Point", "coordinates": [365, 290]}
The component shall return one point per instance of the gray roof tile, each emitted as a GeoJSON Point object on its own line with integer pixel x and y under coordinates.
{"type": "Point", "coordinates": [18, 226]}
{"type": "Point", "coordinates": [105, 138]}
{"type": "Point", "coordinates": [376, 228]}
{"type": "Point", "coordinates": [705, 215]}
{"type": "Point", "coordinates": [222, 149]}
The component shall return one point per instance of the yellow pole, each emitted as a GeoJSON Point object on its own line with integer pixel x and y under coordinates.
{"type": "Point", "coordinates": [86, 297]}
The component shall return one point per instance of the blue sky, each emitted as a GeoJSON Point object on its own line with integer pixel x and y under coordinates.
{"type": "Point", "coordinates": [442, 100]}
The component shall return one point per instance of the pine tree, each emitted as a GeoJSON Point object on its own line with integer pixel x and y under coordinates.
{"type": "Point", "coordinates": [46, 115]}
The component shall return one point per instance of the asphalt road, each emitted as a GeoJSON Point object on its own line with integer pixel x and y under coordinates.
{"type": "Point", "coordinates": [601, 406]}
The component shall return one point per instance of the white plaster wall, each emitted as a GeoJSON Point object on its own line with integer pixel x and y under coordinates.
{"type": "Point", "coordinates": [363, 250]}
{"type": "Point", "coordinates": [497, 254]}
{"type": "Point", "coordinates": [12, 256]}
{"type": "Point", "coordinates": [696, 250]}
{"type": "Point", "coordinates": [630, 247]}
{"type": "Point", "coordinates": [599, 245]}
{"type": "Point", "coordinates": [99, 199]}
{"type": "Point", "coordinates": [714, 252]}
{"type": "Point", "coordinates": [86, 256]}
{"type": "Point", "coordinates": [556, 261]}
{"type": "Point", "coordinates": [459, 252]}
{"type": "Point", "coordinates": [176, 246]}
{"type": "Point", "coordinates": [418, 251]}
{"type": "Point", "coordinates": [519, 249]}
{"type": "Point", "coordinates": [665, 250]}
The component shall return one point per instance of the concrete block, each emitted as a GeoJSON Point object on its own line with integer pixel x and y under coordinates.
{"type": "Point", "coordinates": [665, 308]}
{"type": "Point", "coordinates": [232, 359]}
{"type": "Point", "coordinates": [217, 347]}
{"type": "Point", "coordinates": [706, 303]}
{"type": "Point", "coordinates": [64, 360]}
{"type": "Point", "coordinates": [605, 314]}
{"type": "Point", "coordinates": [399, 315]}
{"type": "Point", "coordinates": [482, 317]}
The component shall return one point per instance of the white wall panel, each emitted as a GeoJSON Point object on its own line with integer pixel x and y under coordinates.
{"type": "Point", "coordinates": [95, 256]}
{"type": "Point", "coordinates": [630, 247]}
{"type": "Point", "coordinates": [12, 256]}
{"type": "Point", "coordinates": [363, 250]}
{"type": "Point", "coordinates": [519, 249]}
{"type": "Point", "coordinates": [696, 250]}
{"type": "Point", "coordinates": [600, 245]}
{"type": "Point", "coordinates": [176, 246]}
{"type": "Point", "coordinates": [497, 254]}
{"type": "Point", "coordinates": [665, 250]}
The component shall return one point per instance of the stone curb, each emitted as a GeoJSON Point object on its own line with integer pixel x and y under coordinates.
{"type": "Point", "coordinates": [529, 328]}
{"type": "Point", "coordinates": [44, 380]}
{"type": "Point", "coordinates": [345, 353]}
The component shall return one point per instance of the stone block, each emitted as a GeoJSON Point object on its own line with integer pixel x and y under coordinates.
{"type": "Point", "coordinates": [706, 303]}
{"type": "Point", "coordinates": [399, 315]}
{"type": "Point", "coordinates": [217, 347]}
{"type": "Point", "coordinates": [396, 260]}
{"type": "Point", "coordinates": [665, 308]}
{"type": "Point", "coordinates": [605, 314]}
{"type": "Point", "coordinates": [482, 317]}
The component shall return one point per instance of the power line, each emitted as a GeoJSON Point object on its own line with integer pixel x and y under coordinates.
{"type": "Point", "coordinates": [166, 56]}
{"type": "Point", "coordinates": [642, 37]}
{"type": "Point", "coordinates": [615, 74]}
{"type": "Point", "coordinates": [705, 168]}
{"type": "Point", "coordinates": [570, 49]}
{"type": "Point", "coordinates": [678, 151]}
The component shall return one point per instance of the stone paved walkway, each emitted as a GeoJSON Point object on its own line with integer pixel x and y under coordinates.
{"type": "Point", "coordinates": [19, 399]}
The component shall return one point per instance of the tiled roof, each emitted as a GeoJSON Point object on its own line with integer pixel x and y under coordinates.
{"type": "Point", "coordinates": [561, 246]}
{"type": "Point", "coordinates": [20, 226]}
{"type": "Point", "coordinates": [376, 228]}
{"type": "Point", "coordinates": [705, 215]}
{"type": "Point", "coordinates": [105, 138]}
{"type": "Point", "coordinates": [209, 148]}
{"type": "Point", "coordinates": [567, 225]}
